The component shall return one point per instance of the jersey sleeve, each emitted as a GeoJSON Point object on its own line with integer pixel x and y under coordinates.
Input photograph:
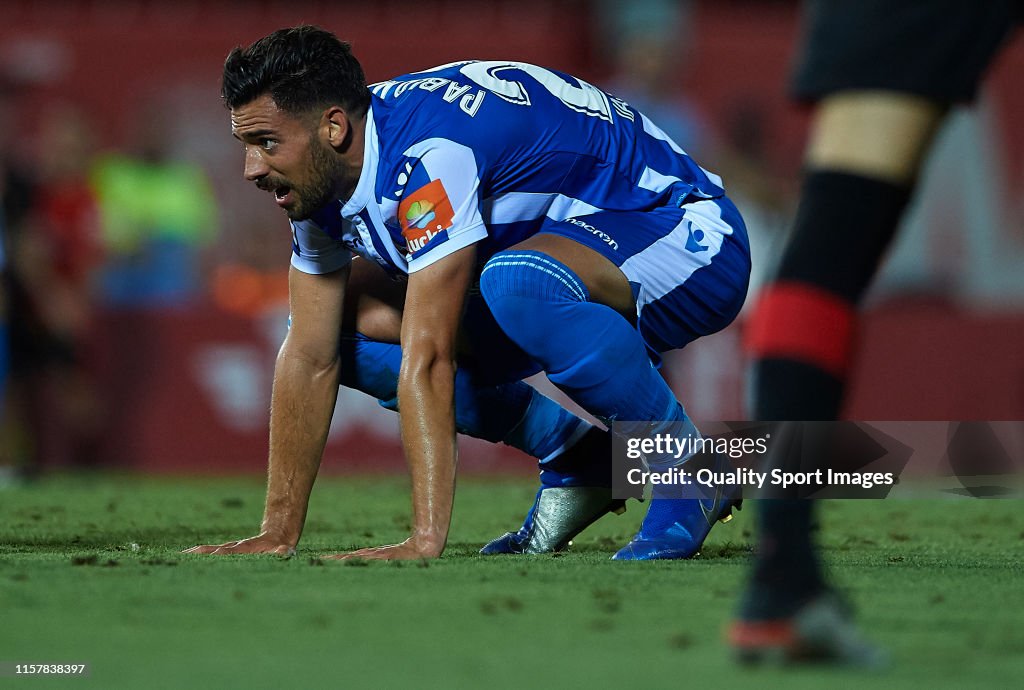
{"type": "Point", "coordinates": [439, 211]}
{"type": "Point", "coordinates": [315, 251]}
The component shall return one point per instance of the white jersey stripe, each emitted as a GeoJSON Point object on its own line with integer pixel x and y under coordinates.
{"type": "Point", "coordinates": [654, 181]}
{"type": "Point", "coordinates": [514, 207]}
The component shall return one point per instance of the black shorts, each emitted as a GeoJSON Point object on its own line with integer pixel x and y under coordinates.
{"type": "Point", "coordinates": [938, 49]}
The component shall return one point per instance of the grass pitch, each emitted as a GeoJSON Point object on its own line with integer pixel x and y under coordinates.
{"type": "Point", "coordinates": [90, 571]}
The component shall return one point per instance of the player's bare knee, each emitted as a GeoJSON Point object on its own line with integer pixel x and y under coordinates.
{"type": "Point", "coordinates": [878, 134]}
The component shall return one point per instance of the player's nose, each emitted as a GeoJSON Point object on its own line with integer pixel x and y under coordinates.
{"type": "Point", "coordinates": [255, 166]}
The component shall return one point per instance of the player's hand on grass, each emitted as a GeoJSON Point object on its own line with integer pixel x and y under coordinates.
{"type": "Point", "coordinates": [261, 543]}
{"type": "Point", "coordinates": [410, 549]}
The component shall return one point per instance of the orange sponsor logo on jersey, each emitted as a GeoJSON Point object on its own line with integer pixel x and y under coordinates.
{"type": "Point", "coordinates": [423, 214]}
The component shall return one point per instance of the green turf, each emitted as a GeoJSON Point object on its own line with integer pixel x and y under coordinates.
{"type": "Point", "coordinates": [938, 582]}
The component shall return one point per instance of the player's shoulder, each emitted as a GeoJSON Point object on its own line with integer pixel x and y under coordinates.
{"type": "Point", "coordinates": [440, 97]}
{"type": "Point", "coordinates": [449, 102]}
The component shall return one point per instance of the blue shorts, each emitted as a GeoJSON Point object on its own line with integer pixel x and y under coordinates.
{"type": "Point", "coordinates": [688, 266]}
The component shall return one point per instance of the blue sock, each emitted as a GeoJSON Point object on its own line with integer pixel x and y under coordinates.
{"type": "Point", "coordinates": [513, 413]}
{"type": "Point", "coordinates": [588, 350]}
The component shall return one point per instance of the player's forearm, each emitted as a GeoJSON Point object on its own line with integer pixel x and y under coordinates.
{"type": "Point", "coordinates": [427, 399]}
{"type": "Point", "coordinates": [301, 407]}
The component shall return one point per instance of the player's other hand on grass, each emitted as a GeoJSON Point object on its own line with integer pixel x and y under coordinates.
{"type": "Point", "coordinates": [261, 543]}
{"type": "Point", "coordinates": [409, 550]}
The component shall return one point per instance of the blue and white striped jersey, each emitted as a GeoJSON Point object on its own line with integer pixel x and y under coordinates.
{"type": "Point", "coordinates": [485, 152]}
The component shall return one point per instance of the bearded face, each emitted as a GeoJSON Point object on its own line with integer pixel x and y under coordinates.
{"type": "Point", "coordinates": [303, 194]}
{"type": "Point", "coordinates": [285, 155]}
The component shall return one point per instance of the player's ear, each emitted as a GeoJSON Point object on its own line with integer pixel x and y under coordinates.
{"type": "Point", "coordinates": [335, 122]}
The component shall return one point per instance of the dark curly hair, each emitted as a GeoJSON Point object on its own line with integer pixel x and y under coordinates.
{"type": "Point", "coordinates": [302, 68]}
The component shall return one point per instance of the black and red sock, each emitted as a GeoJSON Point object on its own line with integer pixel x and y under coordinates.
{"type": "Point", "coordinates": [801, 337]}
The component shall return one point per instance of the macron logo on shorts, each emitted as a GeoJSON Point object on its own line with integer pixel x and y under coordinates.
{"type": "Point", "coordinates": [423, 214]}
{"type": "Point", "coordinates": [605, 237]}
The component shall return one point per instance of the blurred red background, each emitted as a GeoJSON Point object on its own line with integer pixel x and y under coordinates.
{"type": "Point", "coordinates": [197, 400]}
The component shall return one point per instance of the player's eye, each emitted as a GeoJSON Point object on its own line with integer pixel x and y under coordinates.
{"type": "Point", "coordinates": [268, 144]}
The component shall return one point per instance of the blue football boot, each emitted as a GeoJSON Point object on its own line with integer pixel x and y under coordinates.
{"type": "Point", "coordinates": [676, 528]}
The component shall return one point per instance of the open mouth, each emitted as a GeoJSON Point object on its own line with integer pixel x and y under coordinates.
{"type": "Point", "coordinates": [282, 195]}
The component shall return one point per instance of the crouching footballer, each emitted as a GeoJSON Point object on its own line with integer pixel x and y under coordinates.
{"type": "Point", "coordinates": [455, 231]}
